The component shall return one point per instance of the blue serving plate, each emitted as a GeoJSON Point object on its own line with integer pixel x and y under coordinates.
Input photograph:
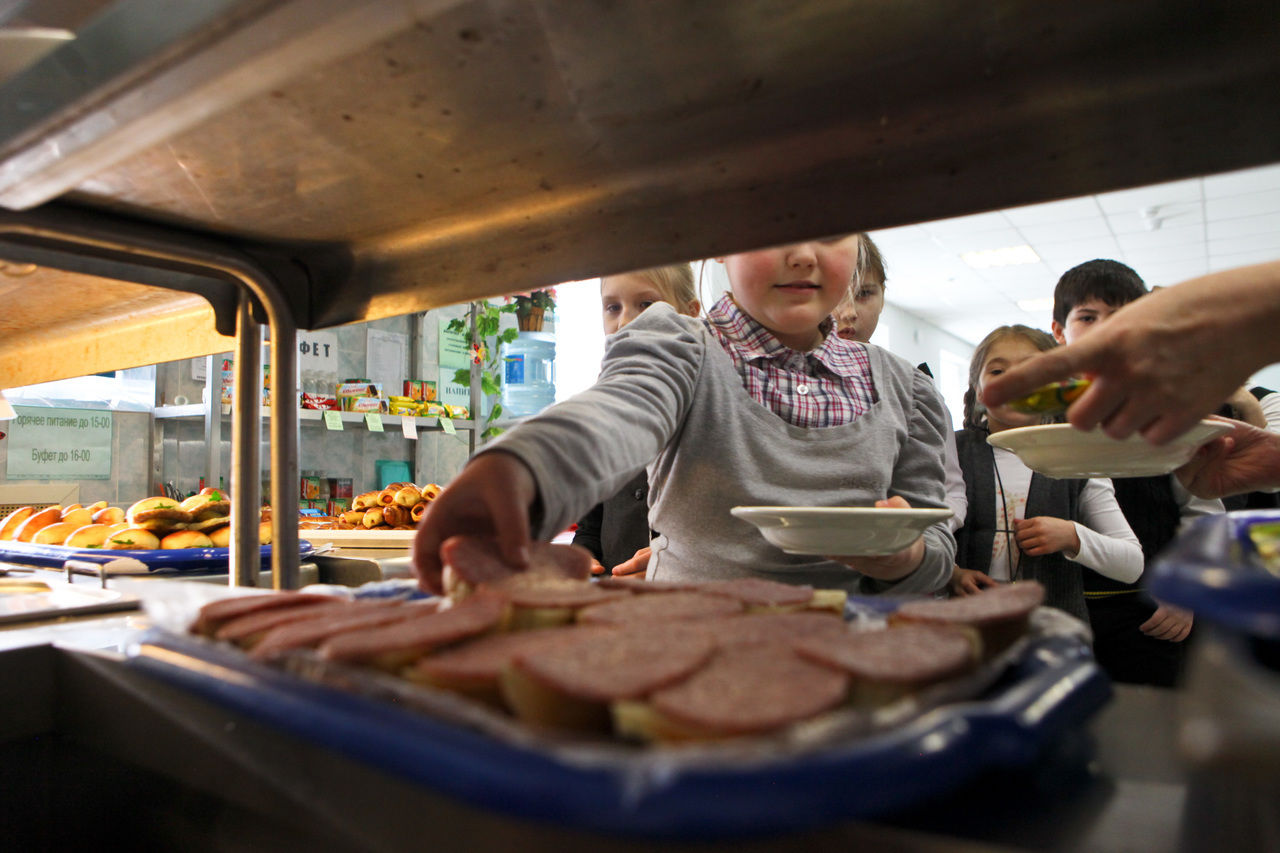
{"type": "Point", "coordinates": [1053, 688]}
{"type": "Point", "coordinates": [176, 559]}
{"type": "Point", "coordinates": [1213, 569]}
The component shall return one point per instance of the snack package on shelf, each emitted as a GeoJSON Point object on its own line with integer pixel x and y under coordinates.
{"type": "Point", "coordinates": [403, 406]}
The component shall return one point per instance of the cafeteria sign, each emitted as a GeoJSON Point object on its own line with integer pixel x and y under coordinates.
{"type": "Point", "coordinates": [59, 444]}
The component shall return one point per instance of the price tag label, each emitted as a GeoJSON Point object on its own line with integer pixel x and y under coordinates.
{"type": "Point", "coordinates": [333, 420]}
{"type": "Point", "coordinates": [446, 424]}
{"type": "Point", "coordinates": [409, 426]}
{"type": "Point", "coordinates": [373, 421]}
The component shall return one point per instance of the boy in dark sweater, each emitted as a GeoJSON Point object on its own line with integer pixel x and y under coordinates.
{"type": "Point", "coordinates": [1136, 639]}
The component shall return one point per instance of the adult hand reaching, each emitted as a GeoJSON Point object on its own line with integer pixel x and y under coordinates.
{"type": "Point", "coordinates": [1163, 362]}
{"type": "Point", "coordinates": [491, 495]}
{"type": "Point", "coordinates": [1246, 459]}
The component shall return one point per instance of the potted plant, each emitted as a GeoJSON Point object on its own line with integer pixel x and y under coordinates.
{"type": "Point", "coordinates": [488, 361]}
{"type": "Point", "coordinates": [531, 308]}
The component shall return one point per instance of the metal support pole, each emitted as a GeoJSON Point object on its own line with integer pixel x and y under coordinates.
{"type": "Point", "coordinates": [246, 562]}
{"type": "Point", "coordinates": [88, 238]}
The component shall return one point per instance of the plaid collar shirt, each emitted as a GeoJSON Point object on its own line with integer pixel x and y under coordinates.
{"type": "Point", "coordinates": [826, 387]}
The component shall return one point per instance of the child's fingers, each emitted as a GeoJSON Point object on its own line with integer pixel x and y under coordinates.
{"type": "Point", "coordinates": [426, 556]}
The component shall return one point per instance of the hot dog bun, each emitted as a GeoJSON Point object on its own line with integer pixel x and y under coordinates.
{"type": "Point", "coordinates": [108, 515]}
{"type": "Point", "coordinates": [37, 521]}
{"type": "Point", "coordinates": [89, 536]}
{"type": "Point", "coordinates": [186, 539]}
{"type": "Point", "coordinates": [132, 539]}
{"type": "Point", "coordinates": [79, 517]}
{"type": "Point", "coordinates": [54, 534]}
{"type": "Point", "coordinates": [14, 520]}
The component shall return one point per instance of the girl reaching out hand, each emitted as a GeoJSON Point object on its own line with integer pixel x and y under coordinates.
{"type": "Point", "coordinates": [757, 404]}
{"type": "Point", "coordinates": [1023, 525]}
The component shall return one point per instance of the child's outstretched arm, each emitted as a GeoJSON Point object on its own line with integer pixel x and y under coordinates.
{"type": "Point", "coordinates": [491, 495]}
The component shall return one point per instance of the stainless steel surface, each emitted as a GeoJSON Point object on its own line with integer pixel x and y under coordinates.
{"type": "Point", "coordinates": [233, 767]}
{"type": "Point", "coordinates": [401, 156]}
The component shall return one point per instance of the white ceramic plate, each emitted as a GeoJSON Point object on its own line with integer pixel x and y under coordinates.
{"type": "Point", "coordinates": [844, 531]}
{"type": "Point", "coordinates": [1062, 451]}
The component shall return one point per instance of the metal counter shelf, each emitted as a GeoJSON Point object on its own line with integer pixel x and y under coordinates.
{"type": "Point", "coordinates": [84, 728]}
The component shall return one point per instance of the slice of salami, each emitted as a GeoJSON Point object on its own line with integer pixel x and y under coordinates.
{"type": "Point", "coordinates": [393, 645]}
{"type": "Point", "coordinates": [761, 593]}
{"type": "Point", "coordinates": [751, 690]}
{"type": "Point", "coordinates": [1000, 615]}
{"type": "Point", "coordinates": [213, 614]}
{"type": "Point", "coordinates": [529, 590]}
{"type": "Point", "coordinates": [481, 661]}
{"type": "Point", "coordinates": [312, 632]}
{"type": "Point", "coordinates": [247, 629]}
{"type": "Point", "coordinates": [775, 628]}
{"type": "Point", "coordinates": [633, 663]}
{"type": "Point", "coordinates": [1007, 601]}
{"type": "Point", "coordinates": [651, 609]}
{"type": "Point", "coordinates": [911, 655]}
{"type": "Point", "coordinates": [477, 560]}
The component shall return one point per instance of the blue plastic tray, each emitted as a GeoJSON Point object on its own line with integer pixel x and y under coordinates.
{"type": "Point", "coordinates": [176, 559]}
{"type": "Point", "coordinates": [1054, 687]}
{"type": "Point", "coordinates": [1213, 569]}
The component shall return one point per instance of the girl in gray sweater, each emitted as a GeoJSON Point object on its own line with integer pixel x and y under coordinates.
{"type": "Point", "coordinates": [758, 403]}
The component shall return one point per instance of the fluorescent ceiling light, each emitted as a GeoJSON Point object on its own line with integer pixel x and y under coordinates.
{"type": "Point", "coordinates": [1036, 306]}
{"type": "Point", "coordinates": [1008, 256]}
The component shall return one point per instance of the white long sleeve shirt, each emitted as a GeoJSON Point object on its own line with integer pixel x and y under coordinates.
{"type": "Point", "coordinates": [1107, 543]}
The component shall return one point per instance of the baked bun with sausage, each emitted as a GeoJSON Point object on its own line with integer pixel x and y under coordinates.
{"type": "Point", "coordinates": [204, 506]}
{"type": "Point", "coordinates": [132, 539]}
{"type": "Point", "coordinates": [220, 536]}
{"type": "Point", "coordinates": [157, 508]}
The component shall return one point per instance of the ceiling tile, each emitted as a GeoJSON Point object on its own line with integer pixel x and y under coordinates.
{"type": "Point", "coordinates": [1243, 182]}
{"type": "Point", "coordinates": [1243, 226]}
{"type": "Point", "coordinates": [1252, 204]}
{"type": "Point", "coordinates": [1211, 223]}
{"type": "Point", "coordinates": [1053, 211]}
{"type": "Point", "coordinates": [959, 225]}
{"type": "Point", "coordinates": [1063, 232]}
{"type": "Point", "coordinates": [1173, 253]}
{"type": "Point", "coordinates": [1157, 195]}
{"type": "Point", "coordinates": [1162, 273]}
{"type": "Point", "coordinates": [1060, 257]}
{"type": "Point", "coordinates": [1242, 259]}
{"type": "Point", "coordinates": [1268, 241]}
{"type": "Point", "coordinates": [905, 235]}
{"type": "Point", "coordinates": [1161, 237]}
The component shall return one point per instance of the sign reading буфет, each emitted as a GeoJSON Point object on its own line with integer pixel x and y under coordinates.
{"type": "Point", "coordinates": [59, 444]}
